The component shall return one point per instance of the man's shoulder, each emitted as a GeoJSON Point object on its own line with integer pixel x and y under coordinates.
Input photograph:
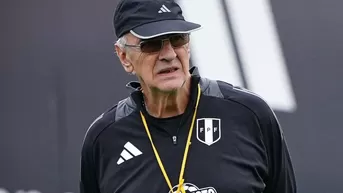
{"type": "Point", "coordinates": [229, 92]}
{"type": "Point", "coordinates": [121, 109]}
{"type": "Point", "coordinates": [100, 123]}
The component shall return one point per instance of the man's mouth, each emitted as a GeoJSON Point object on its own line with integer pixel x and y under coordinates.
{"type": "Point", "coordinates": [168, 70]}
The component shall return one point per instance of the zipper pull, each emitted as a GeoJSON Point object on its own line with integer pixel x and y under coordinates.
{"type": "Point", "coordinates": [174, 140]}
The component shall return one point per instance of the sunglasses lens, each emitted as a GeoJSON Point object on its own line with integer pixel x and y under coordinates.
{"type": "Point", "coordinates": [179, 40]}
{"type": "Point", "coordinates": [151, 46]}
{"type": "Point", "coordinates": [155, 45]}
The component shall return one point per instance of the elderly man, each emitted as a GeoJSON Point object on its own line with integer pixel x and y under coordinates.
{"type": "Point", "coordinates": [177, 131]}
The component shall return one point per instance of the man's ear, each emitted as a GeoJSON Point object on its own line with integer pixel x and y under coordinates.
{"type": "Point", "coordinates": [124, 59]}
{"type": "Point", "coordinates": [188, 47]}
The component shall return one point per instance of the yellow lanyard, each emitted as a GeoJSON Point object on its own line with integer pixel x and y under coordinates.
{"type": "Point", "coordinates": [181, 180]}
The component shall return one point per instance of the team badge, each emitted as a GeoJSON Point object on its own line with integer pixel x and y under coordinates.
{"type": "Point", "coordinates": [191, 188]}
{"type": "Point", "coordinates": [208, 130]}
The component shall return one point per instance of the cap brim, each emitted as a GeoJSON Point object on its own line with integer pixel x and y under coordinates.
{"type": "Point", "coordinates": [164, 27]}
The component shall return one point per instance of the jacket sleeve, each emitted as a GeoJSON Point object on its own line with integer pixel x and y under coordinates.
{"type": "Point", "coordinates": [88, 181]}
{"type": "Point", "coordinates": [281, 178]}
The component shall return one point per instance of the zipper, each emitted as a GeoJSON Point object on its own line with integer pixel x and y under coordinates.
{"type": "Point", "coordinates": [174, 138]}
{"type": "Point", "coordinates": [183, 117]}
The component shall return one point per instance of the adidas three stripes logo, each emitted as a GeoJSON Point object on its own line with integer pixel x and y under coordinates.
{"type": "Point", "coordinates": [164, 9]}
{"type": "Point", "coordinates": [128, 152]}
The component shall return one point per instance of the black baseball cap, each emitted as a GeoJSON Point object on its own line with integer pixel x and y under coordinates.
{"type": "Point", "coordinates": [150, 18]}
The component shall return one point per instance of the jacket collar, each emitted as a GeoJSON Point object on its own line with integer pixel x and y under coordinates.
{"type": "Point", "coordinates": [135, 100]}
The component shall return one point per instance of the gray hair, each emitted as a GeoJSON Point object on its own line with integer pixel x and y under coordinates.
{"type": "Point", "coordinates": [121, 42]}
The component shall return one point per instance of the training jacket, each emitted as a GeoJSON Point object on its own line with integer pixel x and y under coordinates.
{"type": "Point", "coordinates": [237, 146]}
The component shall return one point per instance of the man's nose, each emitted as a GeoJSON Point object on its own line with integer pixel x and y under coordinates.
{"type": "Point", "coordinates": [167, 51]}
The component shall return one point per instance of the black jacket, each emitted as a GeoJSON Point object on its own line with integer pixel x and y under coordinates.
{"type": "Point", "coordinates": [243, 150]}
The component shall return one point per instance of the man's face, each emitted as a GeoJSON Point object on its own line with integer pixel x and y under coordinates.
{"type": "Point", "coordinates": [165, 70]}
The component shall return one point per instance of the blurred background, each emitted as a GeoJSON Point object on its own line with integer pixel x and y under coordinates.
{"type": "Point", "coordinates": [59, 72]}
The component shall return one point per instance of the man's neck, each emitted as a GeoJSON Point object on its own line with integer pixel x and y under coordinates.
{"type": "Point", "coordinates": [162, 105]}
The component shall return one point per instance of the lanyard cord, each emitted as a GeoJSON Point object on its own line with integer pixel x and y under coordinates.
{"type": "Point", "coordinates": [181, 180]}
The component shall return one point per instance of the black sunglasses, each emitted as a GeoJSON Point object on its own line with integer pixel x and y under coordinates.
{"type": "Point", "coordinates": [156, 44]}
